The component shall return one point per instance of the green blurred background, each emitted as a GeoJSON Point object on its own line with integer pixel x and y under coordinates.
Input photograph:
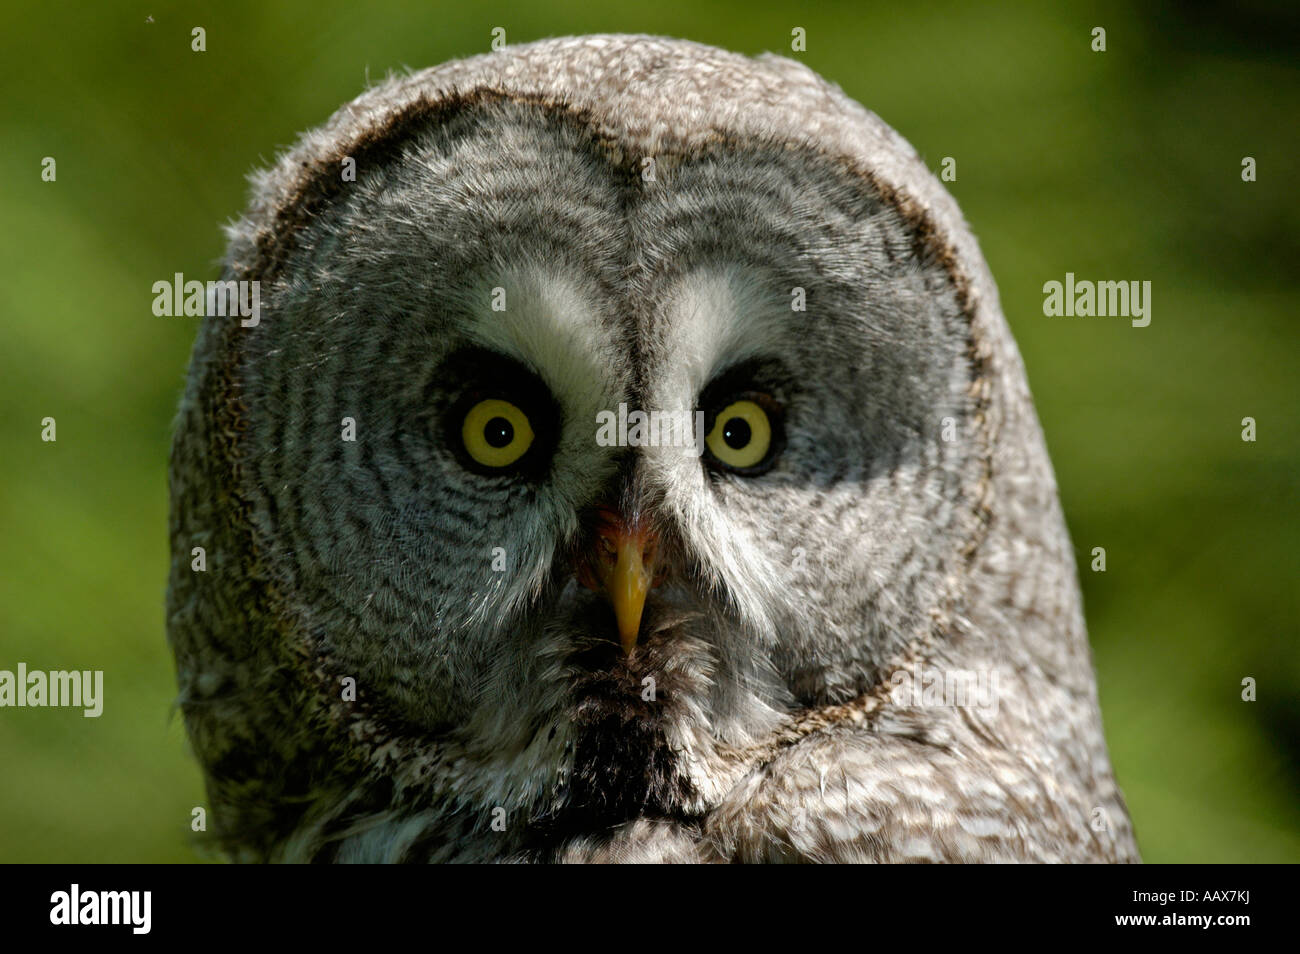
{"type": "Point", "coordinates": [1117, 165]}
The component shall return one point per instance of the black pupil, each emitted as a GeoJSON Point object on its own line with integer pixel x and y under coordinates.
{"type": "Point", "coordinates": [498, 432]}
{"type": "Point", "coordinates": [736, 433]}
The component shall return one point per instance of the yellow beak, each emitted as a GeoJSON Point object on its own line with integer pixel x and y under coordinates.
{"type": "Point", "coordinates": [622, 563]}
{"type": "Point", "coordinates": [626, 582]}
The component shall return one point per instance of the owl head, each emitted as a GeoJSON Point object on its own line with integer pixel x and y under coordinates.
{"type": "Point", "coordinates": [619, 411]}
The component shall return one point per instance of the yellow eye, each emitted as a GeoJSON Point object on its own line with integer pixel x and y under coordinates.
{"type": "Point", "coordinates": [496, 433]}
{"type": "Point", "coordinates": [741, 435]}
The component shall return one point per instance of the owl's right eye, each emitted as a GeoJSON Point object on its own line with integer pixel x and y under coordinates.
{"type": "Point", "coordinates": [493, 415]}
{"type": "Point", "coordinates": [496, 433]}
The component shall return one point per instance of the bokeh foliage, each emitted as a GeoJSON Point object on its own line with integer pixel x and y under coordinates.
{"type": "Point", "coordinates": [1122, 165]}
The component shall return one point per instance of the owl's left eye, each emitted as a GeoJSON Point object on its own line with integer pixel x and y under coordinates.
{"type": "Point", "coordinates": [745, 436]}
{"type": "Point", "coordinates": [496, 433]}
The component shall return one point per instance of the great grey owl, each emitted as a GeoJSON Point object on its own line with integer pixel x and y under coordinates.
{"type": "Point", "coordinates": [449, 612]}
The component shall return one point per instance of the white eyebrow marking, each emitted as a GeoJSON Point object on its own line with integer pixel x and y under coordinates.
{"type": "Point", "coordinates": [545, 321]}
{"type": "Point", "coordinates": [715, 318]}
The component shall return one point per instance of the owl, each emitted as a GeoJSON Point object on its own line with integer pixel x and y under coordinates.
{"type": "Point", "coordinates": [629, 462]}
